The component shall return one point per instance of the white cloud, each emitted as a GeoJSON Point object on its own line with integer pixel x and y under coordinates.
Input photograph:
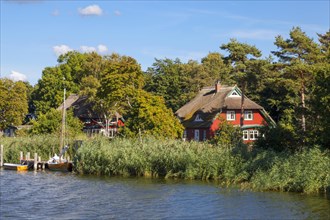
{"type": "Point", "coordinates": [90, 10]}
{"type": "Point", "coordinates": [16, 76]}
{"type": "Point", "coordinates": [102, 48]}
{"type": "Point", "coordinates": [87, 49]}
{"type": "Point", "coordinates": [56, 12]}
{"type": "Point", "coordinates": [61, 49]}
{"type": "Point", "coordinates": [117, 13]}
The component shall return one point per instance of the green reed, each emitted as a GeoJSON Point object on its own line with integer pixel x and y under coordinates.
{"type": "Point", "coordinates": [307, 171]}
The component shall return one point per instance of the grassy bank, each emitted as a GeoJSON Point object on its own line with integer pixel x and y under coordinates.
{"type": "Point", "coordinates": [307, 171]}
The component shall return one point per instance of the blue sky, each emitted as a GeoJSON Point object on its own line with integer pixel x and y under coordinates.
{"type": "Point", "coordinates": [35, 32]}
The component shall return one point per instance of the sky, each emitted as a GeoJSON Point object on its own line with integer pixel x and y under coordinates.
{"type": "Point", "coordinates": [35, 32]}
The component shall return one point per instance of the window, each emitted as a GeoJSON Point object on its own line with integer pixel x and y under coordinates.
{"type": "Point", "coordinates": [198, 118]}
{"type": "Point", "coordinates": [230, 115]}
{"type": "Point", "coordinates": [204, 135]}
{"type": "Point", "coordinates": [248, 115]}
{"type": "Point", "coordinates": [254, 134]}
{"type": "Point", "coordinates": [250, 134]}
{"type": "Point", "coordinates": [246, 135]}
{"type": "Point", "coordinates": [185, 134]}
{"type": "Point", "coordinates": [196, 137]}
{"type": "Point", "coordinates": [234, 93]}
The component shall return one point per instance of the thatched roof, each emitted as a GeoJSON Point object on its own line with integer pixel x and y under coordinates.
{"type": "Point", "coordinates": [209, 102]}
{"type": "Point", "coordinates": [82, 108]}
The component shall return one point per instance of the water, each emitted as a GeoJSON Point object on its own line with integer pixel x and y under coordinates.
{"type": "Point", "coordinates": [55, 195]}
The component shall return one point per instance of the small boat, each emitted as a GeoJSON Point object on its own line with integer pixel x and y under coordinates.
{"type": "Point", "coordinates": [18, 167]}
{"type": "Point", "coordinates": [57, 163]}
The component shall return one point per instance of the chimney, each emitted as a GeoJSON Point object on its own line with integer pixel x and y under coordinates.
{"type": "Point", "coordinates": [217, 87]}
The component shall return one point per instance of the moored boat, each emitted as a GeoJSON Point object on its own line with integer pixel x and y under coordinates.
{"type": "Point", "coordinates": [18, 167]}
{"type": "Point", "coordinates": [57, 163]}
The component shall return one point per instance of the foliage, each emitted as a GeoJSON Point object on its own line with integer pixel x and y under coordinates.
{"type": "Point", "coordinates": [13, 104]}
{"type": "Point", "coordinates": [283, 137]}
{"type": "Point", "coordinates": [298, 54]}
{"type": "Point", "coordinates": [306, 171]}
{"type": "Point", "coordinates": [320, 103]}
{"type": "Point", "coordinates": [45, 145]}
{"type": "Point", "coordinates": [179, 82]}
{"type": "Point", "coordinates": [227, 134]}
{"type": "Point", "coordinates": [50, 123]}
{"type": "Point", "coordinates": [149, 115]}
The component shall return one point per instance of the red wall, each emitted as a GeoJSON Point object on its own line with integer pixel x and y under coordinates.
{"type": "Point", "coordinates": [258, 119]}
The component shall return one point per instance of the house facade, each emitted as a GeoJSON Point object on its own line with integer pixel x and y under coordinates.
{"type": "Point", "coordinates": [93, 122]}
{"type": "Point", "coordinates": [202, 116]}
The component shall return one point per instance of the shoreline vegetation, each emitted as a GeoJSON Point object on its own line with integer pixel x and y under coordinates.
{"type": "Point", "coordinates": [306, 171]}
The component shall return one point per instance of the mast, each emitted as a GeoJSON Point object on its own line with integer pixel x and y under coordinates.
{"type": "Point", "coordinates": [63, 124]}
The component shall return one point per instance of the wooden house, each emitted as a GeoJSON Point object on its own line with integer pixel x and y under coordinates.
{"type": "Point", "coordinates": [94, 123]}
{"type": "Point", "coordinates": [201, 116]}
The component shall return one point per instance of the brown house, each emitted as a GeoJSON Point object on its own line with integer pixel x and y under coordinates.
{"type": "Point", "coordinates": [94, 123]}
{"type": "Point", "coordinates": [201, 116]}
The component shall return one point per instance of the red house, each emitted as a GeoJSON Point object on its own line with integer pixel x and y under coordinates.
{"type": "Point", "coordinates": [200, 116]}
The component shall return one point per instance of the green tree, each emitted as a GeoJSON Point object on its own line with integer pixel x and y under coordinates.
{"type": "Point", "coordinates": [298, 54]}
{"type": "Point", "coordinates": [148, 115]}
{"type": "Point", "coordinates": [14, 102]}
{"type": "Point", "coordinates": [166, 79]}
{"type": "Point", "coordinates": [121, 78]}
{"type": "Point", "coordinates": [216, 69]}
{"type": "Point", "coordinates": [51, 123]}
{"type": "Point", "coordinates": [227, 135]}
{"type": "Point", "coordinates": [241, 56]}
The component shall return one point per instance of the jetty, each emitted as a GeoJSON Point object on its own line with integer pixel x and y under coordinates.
{"type": "Point", "coordinates": [34, 163]}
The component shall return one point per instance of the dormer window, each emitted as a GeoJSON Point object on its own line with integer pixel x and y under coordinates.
{"type": "Point", "coordinates": [234, 94]}
{"type": "Point", "coordinates": [198, 118]}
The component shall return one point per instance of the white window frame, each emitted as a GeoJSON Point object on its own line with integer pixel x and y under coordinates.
{"type": "Point", "coordinates": [231, 115]}
{"type": "Point", "coordinates": [196, 135]}
{"type": "Point", "coordinates": [248, 115]}
{"type": "Point", "coordinates": [250, 135]}
{"type": "Point", "coordinates": [246, 135]}
{"type": "Point", "coordinates": [198, 118]}
{"type": "Point", "coordinates": [254, 134]}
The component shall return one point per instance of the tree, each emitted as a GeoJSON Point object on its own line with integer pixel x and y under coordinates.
{"type": "Point", "coordinates": [215, 69]}
{"type": "Point", "coordinates": [241, 56]}
{"type": "Point", "coordinates": [121, 78]}
{"type": "Point", "coordinates": [148, 115]}
{"type": "Point", "coordinates": [298, 54]}
{"type": "Point", "coordinates": [166, 79]}
{"type": "Point", "coordinates": [51, 123]}
{"type": "Point", "coordinates": [14, 102]}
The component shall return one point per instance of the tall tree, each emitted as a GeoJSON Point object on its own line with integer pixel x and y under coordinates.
{"type": "Point", "coordinates": [298, 53]}
{"type": "Point", "coordinates": [121, 78]}
{"type": "Point", "coordinates": [148, 115]}
{"type": "Point", "coordinates": [14, 102]}
{"type": "Point", "coordinates": [241, 56]}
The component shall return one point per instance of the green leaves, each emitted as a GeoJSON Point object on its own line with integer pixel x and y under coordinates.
{"type": "Point", "coordinates": [13, 104]}
{"type": "Point", "coordinates": [149, 115]}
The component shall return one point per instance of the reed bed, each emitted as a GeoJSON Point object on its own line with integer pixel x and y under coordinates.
{"type": "Point", "coordinates": [44, 145]}
{"type": "Point", "coordinates": [307, 171]}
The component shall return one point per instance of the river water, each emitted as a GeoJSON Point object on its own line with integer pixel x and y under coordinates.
{"type": "Point", "coordinates": [55, 195]}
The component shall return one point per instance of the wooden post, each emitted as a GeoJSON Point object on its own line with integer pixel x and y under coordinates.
{"type": "Point", "coordinates": [35, 165]}
{"type": "Point", "coordinates": [1, 160]}
{"type": "Point", "coordinates": [28, 156]}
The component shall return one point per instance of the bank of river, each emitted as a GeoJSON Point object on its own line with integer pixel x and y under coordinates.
{"type": "Point", "coordinates": [54, 195]}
